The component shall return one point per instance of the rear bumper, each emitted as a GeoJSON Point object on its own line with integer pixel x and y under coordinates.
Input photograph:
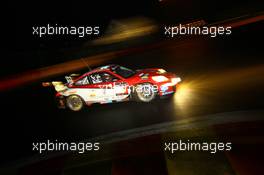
{"type": "Point", "coordinates": [61, 102]}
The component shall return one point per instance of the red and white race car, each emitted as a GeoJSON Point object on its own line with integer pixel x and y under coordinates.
{"type": "Point", "coordinates": [114, 83]}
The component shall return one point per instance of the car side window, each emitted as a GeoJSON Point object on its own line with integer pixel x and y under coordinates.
{"type": "Point", "coordinates": [108, 77]}
{"type": "Point", "coordinates": [102, 77]}
{"type": "Point", "coordinates": [83, 81]}
{"type": "Point", "coordinates": [96, 78]}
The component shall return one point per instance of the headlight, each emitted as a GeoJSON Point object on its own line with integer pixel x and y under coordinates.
{"type": "Point", "coordinates": [161, 71]}
{"type": "Point", "coordinates": [174, 81]}
{"type": "Point", "coordinates": [160, 78]}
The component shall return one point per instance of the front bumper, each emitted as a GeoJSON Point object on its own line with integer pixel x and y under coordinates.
{"type": "Point", "coordinates": [168, 88]}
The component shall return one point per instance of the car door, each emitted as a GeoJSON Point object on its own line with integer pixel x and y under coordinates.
{"type": "Point", "coordinates": [103, 83]}
{"type": "Point", "coordinates": [85, 89]}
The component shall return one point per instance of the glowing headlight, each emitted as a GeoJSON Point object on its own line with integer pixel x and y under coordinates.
{"type": "Point", "coordinates": [162, 71]}
{"type": "Point", "coordinates": [174, 81]}
{"type": "Point", "coordinates": [160, 78]}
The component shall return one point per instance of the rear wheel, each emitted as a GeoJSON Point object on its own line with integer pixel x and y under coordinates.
{"type": "Point", "coordinates": [74, 103]}
{"type": "Point", "coordinates": [144, 92]}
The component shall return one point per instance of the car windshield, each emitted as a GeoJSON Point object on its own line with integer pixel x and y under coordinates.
{"type": "Point", "coordinates": [123, 71]}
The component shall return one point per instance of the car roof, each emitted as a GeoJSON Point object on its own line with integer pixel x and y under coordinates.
{"type": "Point", "coordinates": [103, 68]}
{"type": "Point", "coordinates": [107, 67]}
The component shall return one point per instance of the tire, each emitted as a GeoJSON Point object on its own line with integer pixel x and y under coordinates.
{"type": "Point", "coordinates": [144, 93]}
{"type": "Point", "coordinates": [74, 102]}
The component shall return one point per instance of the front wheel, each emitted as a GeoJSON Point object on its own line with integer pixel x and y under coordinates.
{"type": "Point", "coordinates": [74, 103]}
{"type": "Point", "coordinates": [144, 92]}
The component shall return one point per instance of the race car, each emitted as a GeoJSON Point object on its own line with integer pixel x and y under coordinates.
{"type": "Point", "coordinates": [114, 83]}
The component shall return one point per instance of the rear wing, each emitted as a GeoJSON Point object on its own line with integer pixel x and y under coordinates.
{"type": "Point", "coordinates": [58, 85]}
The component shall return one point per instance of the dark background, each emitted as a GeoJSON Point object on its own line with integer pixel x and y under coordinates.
{"type": "Point", "coordinates": [24, 118]}
{"type": "Point", "coordinates": [28, 50]}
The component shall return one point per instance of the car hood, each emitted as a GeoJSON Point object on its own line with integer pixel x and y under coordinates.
{"type": "Point", "coordinates": [153, 72]}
